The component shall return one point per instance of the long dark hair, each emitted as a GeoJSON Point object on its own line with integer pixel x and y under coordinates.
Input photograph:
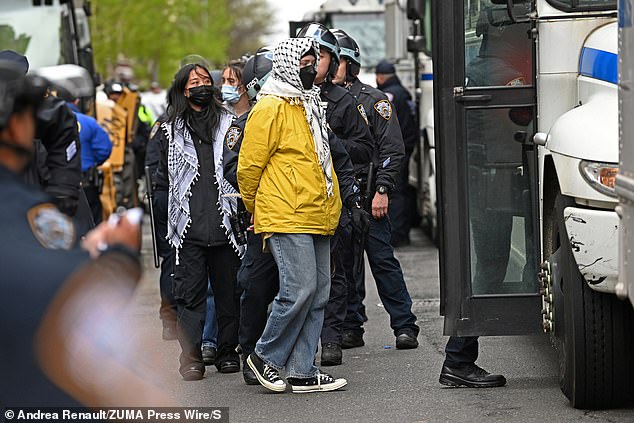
{"type": "Point", "coordinates": [178, 106]}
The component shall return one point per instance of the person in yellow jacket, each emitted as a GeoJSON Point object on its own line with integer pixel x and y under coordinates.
{"type": "Point", "coordinates": [286, 179]}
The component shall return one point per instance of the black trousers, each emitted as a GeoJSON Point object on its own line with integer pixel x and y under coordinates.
{"type": "Point", "coordinates": [92, 195]}
{"type": "Point", "coordinates": [461, 350]}
{"type": "Point", "coordinates": [167, 311]}
{"type": "Point", "coordinates": [336, 309]}
{"type": "Point", "coordinates": [198, 265]}
{"type": "Point", "coordinates": [258, 277]}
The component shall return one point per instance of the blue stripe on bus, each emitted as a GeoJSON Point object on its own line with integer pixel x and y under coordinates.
{"type": "Point", "coordinates": [599, 64]}
{"type": "Point", "coordinates": [426, 76]}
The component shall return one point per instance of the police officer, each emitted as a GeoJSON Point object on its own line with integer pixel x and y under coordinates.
{"type": "Point", "coordinates": [405, 109]}
{"type": "Point", "coordinates": [96, 147]}
{"type": "Point", "coordinates": [347, 121]}
{"type": "Point", "coordinates": [46, 279]}
{"type": "Point", "coordinates": [56, 167]}
{"type": "Point", "coordinates": [387, 157]}
{"type": "Point", "coordinates": [258, 276]}
{"type": "Point", "coordinates": [495, 196]}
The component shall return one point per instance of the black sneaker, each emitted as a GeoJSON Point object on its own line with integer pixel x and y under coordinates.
{"type": "Point", "coordinates": [471, 376]}
{"type": "Point", "coordinates": [405, 340]}
{"type": "Point", "coordinates": [321, 383]}
{"type": "Point", "coordinates": [266, 375]}
{"type": "Point", "coordinates": [331, 354]}
{"type": "Point", "coordinates": [351, 340]}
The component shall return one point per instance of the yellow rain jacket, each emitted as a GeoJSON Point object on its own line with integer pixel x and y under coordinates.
{"type": "Point", "coordinates": [279, 175]}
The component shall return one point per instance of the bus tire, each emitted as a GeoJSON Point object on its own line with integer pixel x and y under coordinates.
{"type": "Point", "coordinates": [594, 348]}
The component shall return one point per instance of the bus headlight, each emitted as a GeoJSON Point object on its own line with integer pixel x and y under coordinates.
{"type": "Point", "coordinates": [600, 176]}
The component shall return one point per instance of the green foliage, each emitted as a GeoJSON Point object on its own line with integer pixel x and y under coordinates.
{"type": "Point", "coordinates": [155, 35]}
{"type": "Point", "coordinates": [8, 40]}
{"type": "Point", "coordinates": [252, 21]}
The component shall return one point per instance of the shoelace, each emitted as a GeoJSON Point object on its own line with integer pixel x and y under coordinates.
{"type": "Point", "coordinates": [324, 378]}
{"type": "Point", "coordinates": [271, 374]}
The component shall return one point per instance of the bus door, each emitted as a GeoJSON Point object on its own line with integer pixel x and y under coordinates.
{"type": "Point", "coordinates": [484, 97]}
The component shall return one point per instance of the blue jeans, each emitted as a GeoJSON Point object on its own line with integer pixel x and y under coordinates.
{"type": "Point", "coordinates": [210, 331]}
{"type": "Point", "coordinates": [291, 335]}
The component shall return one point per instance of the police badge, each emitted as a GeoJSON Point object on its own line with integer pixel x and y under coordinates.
{"type": "Point", "coordinates": [384, 108]}
{"type": "Point", "coordinates": [51, 228]}
{"type": "Point", "coordinates": [232, 137]}
{"type": "Point", "coordinates": [363, 114]}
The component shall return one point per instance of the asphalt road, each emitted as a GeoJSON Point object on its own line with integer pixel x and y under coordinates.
{"type": "Point", "coordinates": [384, 384]}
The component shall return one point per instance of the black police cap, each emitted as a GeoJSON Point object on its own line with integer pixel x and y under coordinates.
{"type": "Point", "coordinates": [385, 67]}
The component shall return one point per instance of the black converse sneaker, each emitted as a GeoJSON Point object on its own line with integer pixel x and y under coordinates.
{"type": "Point", "coordinates": [267, 375]}
{"type": "Point", "coordinates": [321, 383]}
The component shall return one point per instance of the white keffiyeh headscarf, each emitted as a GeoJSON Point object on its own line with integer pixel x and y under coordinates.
{"type": "Point", "coordinates": [182, 166]}
{"type": "Point", "coordinates": [285, 82]}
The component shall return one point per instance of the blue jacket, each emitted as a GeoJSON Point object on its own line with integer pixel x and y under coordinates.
{"type": "Point", "coordinates": [95, 142]}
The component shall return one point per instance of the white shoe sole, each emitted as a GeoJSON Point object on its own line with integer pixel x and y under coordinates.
{"type": "Point", "coordinates": [268, 385]}
{"type": "Point", "coordinates": [337, 384]}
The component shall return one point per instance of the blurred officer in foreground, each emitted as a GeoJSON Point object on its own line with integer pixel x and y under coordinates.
{"type": "Point", "coordinates": [95, 149]}
{"type": "Point", "coordinates": [56, 165]}
{"type": "Point", "coordinates": [61, 311]}
{"type": "Point", "coordinates": [346, 119]}
{"type": "Point", "coordinates": [405, 109]}
{"type": "Point", "coordinates": [388, 154]}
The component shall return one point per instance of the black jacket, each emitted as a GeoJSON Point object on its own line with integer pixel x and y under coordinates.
{"type": "Point", "coordinates": [56, 167]}
{"type": "Point", "coordinates": [405, 110]}
{"type": "Point", "coordinates": [386, 131]}
{"type": "Point", "coordinates": [346, 118]}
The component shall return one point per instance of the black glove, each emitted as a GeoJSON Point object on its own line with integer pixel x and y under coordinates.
{"type": "Point", "coordinates": [360, 220]}
{"type": "Point", "coordinates": [67, 205]}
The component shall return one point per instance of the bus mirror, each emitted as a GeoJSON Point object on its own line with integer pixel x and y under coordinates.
{"type": "Point", "coordinates": [415, 9]}
{"type": "Point", "coordinates": [415, 43]}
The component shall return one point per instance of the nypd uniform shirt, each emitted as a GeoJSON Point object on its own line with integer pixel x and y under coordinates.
{"type": "Point", "coordinates": [348, 120]}
{"type": "Point", "coordinates": [390, 150]}
{"type": "Point", "coordinates": [231, 148]}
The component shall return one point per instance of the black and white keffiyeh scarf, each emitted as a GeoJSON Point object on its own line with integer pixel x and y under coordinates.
{"type": "Point", "coordinates": [182, 167]}
{"type": "Point", "coordinates": [285, 83]}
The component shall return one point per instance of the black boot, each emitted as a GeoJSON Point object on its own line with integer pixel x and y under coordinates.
{"type": "Point", "coordinates": [331, 354]}
{"type": "Point", "coordinates": [471, 376]}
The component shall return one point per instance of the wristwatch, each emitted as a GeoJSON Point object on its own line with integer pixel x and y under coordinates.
{"type": "Point", "coordinates": [381, 189]}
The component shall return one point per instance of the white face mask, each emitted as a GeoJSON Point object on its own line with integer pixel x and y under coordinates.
{"type": "Point", "coordinates": [230, 94]}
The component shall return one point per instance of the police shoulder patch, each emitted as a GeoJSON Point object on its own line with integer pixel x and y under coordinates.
{"type": "Point", "coordinates": [155, 129]}
{"type": "Point", "coordinates": [232, 137]}
{"type": "Point", "coordinates": [363, 113]}
{"type": "Point", "coordinates": [384, 108]}
{"type": "Point", "coordinates": [53, 229]}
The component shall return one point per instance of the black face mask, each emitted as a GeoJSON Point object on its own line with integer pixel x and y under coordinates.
{"type": "Point", "coordinates": [307, 75]}
{"type": "Point", "coordinates": [201, 95]}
